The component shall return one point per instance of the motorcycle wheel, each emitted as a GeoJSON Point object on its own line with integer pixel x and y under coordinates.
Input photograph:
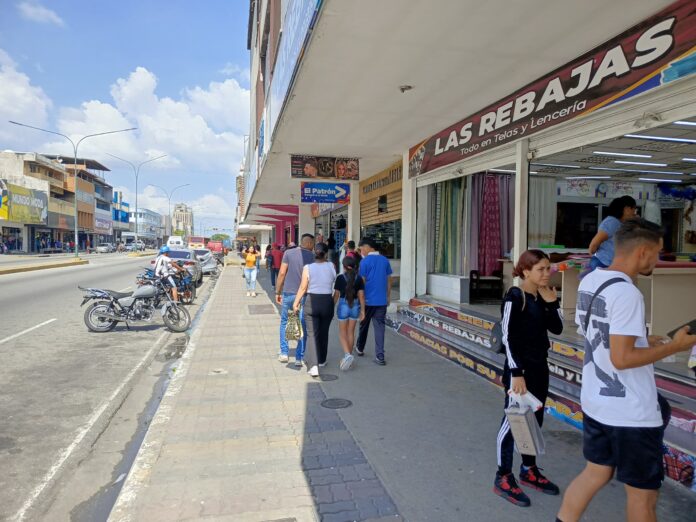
{"type": "Point", "coordinates": [97, 324]}
{"type": "Point", "coordinates": [177, 319]}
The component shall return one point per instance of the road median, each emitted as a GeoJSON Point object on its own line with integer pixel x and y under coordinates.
{"type": "Point", "coordinates": [42, 266]}
{"type": "Point", "coordinates": [143, 254]}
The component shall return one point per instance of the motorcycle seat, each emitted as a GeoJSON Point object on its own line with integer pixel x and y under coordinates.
{"type": "Point", "coordinates": [119, 295]}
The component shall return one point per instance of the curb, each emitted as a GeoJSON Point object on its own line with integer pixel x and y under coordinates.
{"type": "Point", "coordinates": [87, 435]}
{"type": "Point", "coordinates": [142, 254]}
{"type": "Point", "coordinates": [45, 266]}
{"type": "Point", "coordinates": [154, 438]}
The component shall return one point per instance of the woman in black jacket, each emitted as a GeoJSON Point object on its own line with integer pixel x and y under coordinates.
{"type": "Point", "coordinates": [529, 313]}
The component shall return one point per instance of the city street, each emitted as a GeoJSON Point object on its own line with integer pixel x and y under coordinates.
{"type": "Point", "coordinates": [60, 381]}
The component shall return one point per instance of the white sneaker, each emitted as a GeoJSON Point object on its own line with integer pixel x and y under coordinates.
{"type": "Point", "coordinates": [248, 294]}
{"type": "Point", "coordinates": [347, 362]}
{"type": "Point", "coordinates": [314, 371]}
{"type": "Point", "coordinates": [253, 294]}
{"type": "Point", "coordinates": [298, 362]}
{"type": "Point", "coordinates": [282, 358]}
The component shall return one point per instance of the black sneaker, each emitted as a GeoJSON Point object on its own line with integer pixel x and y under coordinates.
{"type": "Point", "coordinates": [534, 479]}
{"type": "Point", "coordinates": [506, 486]}
{"type": "Point", "coordinates": [380, 360]}
{"type": "Point", "coordinates": [359, 351]}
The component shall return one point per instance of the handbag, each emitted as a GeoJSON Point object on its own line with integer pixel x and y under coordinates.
{"type": "Point", "coordinates": [524, 427]}
{"type": "Point", "coordinates": [497, 332]}
{"type": "Point", "coordinates": [293, 329]}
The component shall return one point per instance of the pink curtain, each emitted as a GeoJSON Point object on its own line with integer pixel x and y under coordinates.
{"type": "Point", "coordinates": [489, 247]}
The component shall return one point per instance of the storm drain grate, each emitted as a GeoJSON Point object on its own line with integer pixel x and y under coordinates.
{"type": "Point", "coordinates": [263, 309]}
{"type": "Point", "coordinates": [336, 404]}
{"type": "Point", "coordinates": [325, 377]}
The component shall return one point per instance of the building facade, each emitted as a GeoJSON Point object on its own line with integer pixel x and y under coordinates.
{"type": "Point", "coordinates": [149, 227]}
{"type": "Point", "coordinates": [120, 216]}
{"type": "Point", "coordinates": [182, 219]}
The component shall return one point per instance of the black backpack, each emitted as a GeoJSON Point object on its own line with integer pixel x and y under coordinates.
{"type": "Point", "coordinates": [497, 332]}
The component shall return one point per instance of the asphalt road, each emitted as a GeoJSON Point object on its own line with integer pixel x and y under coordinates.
{"type": "Point", "coordinates": [56, 375]}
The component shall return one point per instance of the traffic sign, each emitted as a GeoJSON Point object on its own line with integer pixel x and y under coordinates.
{"type": "Point", "coordinates": [325, 192]}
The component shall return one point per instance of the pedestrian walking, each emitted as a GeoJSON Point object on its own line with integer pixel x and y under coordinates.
{"type": "Point", "coordinates": [351, 308]}
{"type": "Point", "coordinates": [624, 418]}
{"type": "Point", "coordinates": [288, 283]}
{"type": "Point", "coordinates": [528, 314]}
{"type": "Point", "coordinates": [267, 258]}
{"type": "Point", "coordinates": [376, 273]}
{"type": "Point", "coordinates": [251, 256]}
{"type": "Point", "coordinates": [318, 284]}
{"type": "Point", "coordinates": [276, 260]}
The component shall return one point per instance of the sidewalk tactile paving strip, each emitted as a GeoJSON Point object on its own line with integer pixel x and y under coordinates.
{"type": "Point", "coordinates": [263, 309]}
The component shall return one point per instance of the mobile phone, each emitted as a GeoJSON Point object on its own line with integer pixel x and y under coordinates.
{"type": "Point", "coordinates": [691, 325]}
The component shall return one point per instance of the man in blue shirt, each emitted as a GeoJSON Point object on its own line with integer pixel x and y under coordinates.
{"type": "Point", "coordinates": [376, 272]}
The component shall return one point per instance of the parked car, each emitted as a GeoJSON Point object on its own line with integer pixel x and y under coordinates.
{"type": "Point", "coordinates": [176, 243]}
{"type": "Point", "coordinates": [105, 248]}
{"type": "Point", "coordinates": [135, 246]}
{"type": "Point", "coordinates": [207, 259]}
{"type": "Point", "coordinates": [186, 258]}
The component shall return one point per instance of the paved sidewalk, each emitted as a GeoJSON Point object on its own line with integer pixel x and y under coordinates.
{"type": "Point", "coordinates": [241, 437]}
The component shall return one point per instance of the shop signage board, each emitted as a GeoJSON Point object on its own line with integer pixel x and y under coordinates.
{"type": "Point", "coordinates": [325, 192]}
{"type": "Point", "coordinates": [4, 201]}
{"type": "Point", "coordinates": [26, 205]}
{"type": "Point", "coordinates": [103, 226]}
{"type": "Point", "coordinates": [657, 51]}
{"type": "Point", "coordinates": [324, 167]}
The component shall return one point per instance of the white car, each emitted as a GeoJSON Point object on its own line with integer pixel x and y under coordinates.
{"type": "Point", "coordinates": [105, 248]}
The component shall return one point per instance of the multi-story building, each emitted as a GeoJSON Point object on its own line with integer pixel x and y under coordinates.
{"type": "Point", "coordinates": [120, 214]}
{"type": "Point", "coordinates": [182, 219]}
{"type": "Point", "coordinates": [38, 207]}
{"type": "Point", "coordinates": [149, 226]}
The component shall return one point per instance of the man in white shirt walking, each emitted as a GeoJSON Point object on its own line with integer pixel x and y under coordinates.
{"type": "Point", "coordinates": [623, 424]}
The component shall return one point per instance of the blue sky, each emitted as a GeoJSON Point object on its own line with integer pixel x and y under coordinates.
{"type": "Point", "coordinates": [178, 70]}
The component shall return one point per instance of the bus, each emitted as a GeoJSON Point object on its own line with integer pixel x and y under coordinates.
{"type": "Point", "coordinates": [197, 242]}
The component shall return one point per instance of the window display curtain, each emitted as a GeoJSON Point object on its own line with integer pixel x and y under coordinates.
{"type": "Point", "coordinates": [506, 187]}
{"type": "Point", "coordinates": [475, 208]}
{"type": "Point", "coordinates": [450, 228]}
{"type": "Point", "coordinates": [542, 212]}
{"type": "Point", "coordinates": [489, 248]}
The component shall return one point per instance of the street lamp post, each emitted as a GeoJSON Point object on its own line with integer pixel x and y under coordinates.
{"type": "Point", "coordinates": [136, 171]}
{"type": "Point", "coordinates": [169, 201]}
{"type": "Point", "coordinates": [75, 147]}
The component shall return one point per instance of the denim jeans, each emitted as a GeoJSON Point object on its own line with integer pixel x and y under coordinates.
{"type": "Point", "coordinates": [288, 300]}
{"type": "Point", "coordinates": [274, 276]}
{"type": "Point", "coordinates": [250, 276]}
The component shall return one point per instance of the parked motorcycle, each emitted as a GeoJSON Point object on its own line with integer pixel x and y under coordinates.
{"type": "Point", "coordinates": [184, 284]}
{"type": "Point", "coordinates": [110, 307]}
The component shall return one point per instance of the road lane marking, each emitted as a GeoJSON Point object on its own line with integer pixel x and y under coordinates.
{"type": "Point", "coordinates": [81, 434]}
{"type": "Point", "coordinates": [8, 339]}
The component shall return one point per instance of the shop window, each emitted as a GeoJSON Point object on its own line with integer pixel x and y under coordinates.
{"type": "Point", "coordinates": [447, 230]}
{"type": "Point", "coordinates": [388, 237]}
{"type": "Point", "coordinates": [382, 204]}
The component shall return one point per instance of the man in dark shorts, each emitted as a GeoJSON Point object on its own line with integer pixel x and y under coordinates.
{"type": "Point", "coordinates": [623, 422]}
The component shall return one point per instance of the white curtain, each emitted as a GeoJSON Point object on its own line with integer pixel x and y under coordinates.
{"type": "Point", "coordinates": [542, 212]}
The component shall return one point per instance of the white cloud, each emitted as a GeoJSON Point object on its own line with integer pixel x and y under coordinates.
{"type": "Point", "coordinates": [235, 71]}
{"type": "Point", "coordinates": [223, 105]}
{"type": "Point", "coordinates": [37, 13]}
{"type": "Point", "coordinates": [19, 101]}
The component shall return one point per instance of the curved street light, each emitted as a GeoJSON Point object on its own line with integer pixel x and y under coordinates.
{"type": "Point", "coordinates": [136, 171]}
{"type": "Point", "coordinates": [75, 147]}
{"type": "Point", "coordinates": [169, 201]}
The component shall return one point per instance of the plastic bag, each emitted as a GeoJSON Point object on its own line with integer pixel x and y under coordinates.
{"type": "Point", "coordinates": [293, 330]}
{"type": "Point", "coordinates": [527, 399]}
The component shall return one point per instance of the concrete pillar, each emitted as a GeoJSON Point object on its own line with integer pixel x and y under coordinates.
{"type": "Point", "coordinates": [422, 228]}
{"type": "Point", "coordinates": [521, 199]}
{"type": "Point", "coordinates": [306, 220]}
{"type": "Point", "coordinates": [407, 274]}
{"type": "Point", "coordinates": [353, 224]}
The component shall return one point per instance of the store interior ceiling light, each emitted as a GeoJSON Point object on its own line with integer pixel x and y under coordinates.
{"type": "Point", "coordinates": [556, 165]}
{"type": "Point", "coordinates": [659, 138]}
{"type": "Point", "coordinates": [690, 123]}
{"type": "Point", "coordinates": [588, 177]}
{"type": "Point", "coordinates": [623, 154]}
{"type": "Point", "coordinates": [645, 163]}
{"type": "Point", "coordinates": [661, 180]}
{"type": "Point", "coordinates": [510, 171]}
{"type": "Point", "coordinates": [639, 171]}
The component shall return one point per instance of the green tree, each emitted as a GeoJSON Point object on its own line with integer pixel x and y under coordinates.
{"type": "Point", "coordinates": [219, 237]}
{"type": "Point", "coordinates": [179, 233]}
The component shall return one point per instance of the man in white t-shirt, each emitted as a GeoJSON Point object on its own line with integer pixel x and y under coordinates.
{"type": "Point", "coordinates": [623, 423]}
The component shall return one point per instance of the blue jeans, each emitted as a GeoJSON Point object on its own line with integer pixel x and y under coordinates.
{"type": "Point", "coordinates": [250, 276]}
{"type": "Point", "coordinates": [344, 311]}
{"type": "Point", "coordinates": [288, 300]}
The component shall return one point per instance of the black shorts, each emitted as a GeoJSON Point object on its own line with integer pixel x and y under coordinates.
{"type": "Point", "coordinates": [636, 453]}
